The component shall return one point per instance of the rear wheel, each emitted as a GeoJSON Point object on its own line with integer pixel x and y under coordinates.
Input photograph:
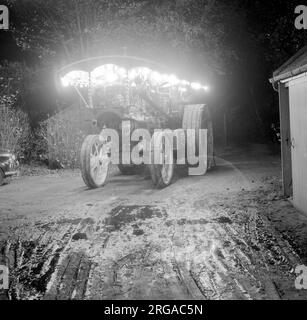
{"type": "Point", "coordinates": [1, 177]}
{"type": "Point", "coordinates": [163, 171]}
{"type": "Point", "coordinates": [198, 117]}
{"type": "Point", "coordinates": [95, 161]}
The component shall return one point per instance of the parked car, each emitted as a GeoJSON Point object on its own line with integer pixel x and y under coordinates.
{"type": "Point", "coordinates": [8, 165]}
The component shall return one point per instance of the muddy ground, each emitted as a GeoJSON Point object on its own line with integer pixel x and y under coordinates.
{"type": "Point", "coordinates": [227, 235]}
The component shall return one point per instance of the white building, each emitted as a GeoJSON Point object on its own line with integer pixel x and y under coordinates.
{"type": "Point", "coordinates": [291, 81]}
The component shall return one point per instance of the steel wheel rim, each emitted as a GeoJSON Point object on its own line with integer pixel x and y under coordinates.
{"type": "Point", "coordinates": [99, 162]}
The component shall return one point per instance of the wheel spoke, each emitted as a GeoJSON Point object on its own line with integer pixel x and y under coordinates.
{"type": "Point", "coordinates": [94, 169]}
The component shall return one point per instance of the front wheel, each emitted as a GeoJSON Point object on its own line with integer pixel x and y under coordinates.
{"type": "Point", "coordinates": [161, 171]}
{"type": "Point", "coordinates": [95, 161]}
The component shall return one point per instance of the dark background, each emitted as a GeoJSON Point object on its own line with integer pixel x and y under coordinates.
{"type": "Point", "coordinates": [236, 48]}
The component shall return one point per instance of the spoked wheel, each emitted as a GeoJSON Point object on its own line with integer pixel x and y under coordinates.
{"type": "Point", "coordinates": [162, 172]}
{"type": "Point", "coordinates": [95, 161]}
{"type": "Point", "coordinates": [198, 117]}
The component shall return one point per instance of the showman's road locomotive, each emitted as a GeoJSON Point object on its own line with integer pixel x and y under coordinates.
{"type": "Point", "coordinates": [126, 92]}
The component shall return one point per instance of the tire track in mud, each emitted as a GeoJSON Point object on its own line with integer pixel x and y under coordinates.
{"type": "Point", "coordinates": [215, 270]}
{"type": "Point", "coordinates": [214, 251]}
{"type": "Point", "coordinates": [269, 257]}
{"type": "Point", "coordinates": [185, 279]}
{"type": "Point", "coordinates": [34, 252]}
{"type": "Point", "coordinates": [232, 265]}
{"type": "Point", "coordinates": [51, 264]}
{"type": "Point", "coordinates": [248, 259]}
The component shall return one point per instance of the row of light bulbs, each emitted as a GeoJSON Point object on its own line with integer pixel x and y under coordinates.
{"type": "Point", "coordinates": [110, 74]}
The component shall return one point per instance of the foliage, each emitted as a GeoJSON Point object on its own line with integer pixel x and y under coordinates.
{"type": "Point", "coordinates": [235, 45]}
{"type": "Point", "coordinates": [15, 131]}
{"type": "Point", "coordinates": [60, 137]}
{"type": "Point", "coordinates": [59, 31]}
{"type": "Point", "coordinates": [214, 32]}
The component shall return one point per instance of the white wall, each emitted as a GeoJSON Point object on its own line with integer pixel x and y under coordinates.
{"type": "Point", "coordinates": [298, 122]}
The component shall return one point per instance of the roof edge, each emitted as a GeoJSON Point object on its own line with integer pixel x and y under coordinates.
{"type": "Point", "coordinates": [289, 74]}
{"type": "Point", "coordinates": [289, 61]}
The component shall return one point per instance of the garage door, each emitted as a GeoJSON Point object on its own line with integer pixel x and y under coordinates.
{"type": "Point", "coordinates": [298, 122]}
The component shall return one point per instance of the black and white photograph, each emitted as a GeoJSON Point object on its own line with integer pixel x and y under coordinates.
{"type": "Point", "coordinates": [153, 150]}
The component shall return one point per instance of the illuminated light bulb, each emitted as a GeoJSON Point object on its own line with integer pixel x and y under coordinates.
{"type": "Point", "coordinates": [65, 82]}
{"type": "Point", "coordinates": [164, 78]}
{"type": "Point", "coordinates": [109, 66]}
{"type": "Point", "coordinates": [122, 72]}
{"type": "Point", "coordinates": [156, 77]}
{"type": "Point", "coordinates": [184, 83]}
{"type": "Point", "coordinates": [196, 85]}
{"type": "Point", "coordinates": [173, 80]}
{"type": "Point", "coordinates": [144, 71]}
{"type": "Point", "coordinates": [206, 88]}
{"type": "Point", "coordinates": [182, 89]}
{"type": "Point", "coordinates": [132, 74]}
{"type": "Point", "coordinates": [111, 76]}
{"type": "Point", "coordinates": [75, 78]}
